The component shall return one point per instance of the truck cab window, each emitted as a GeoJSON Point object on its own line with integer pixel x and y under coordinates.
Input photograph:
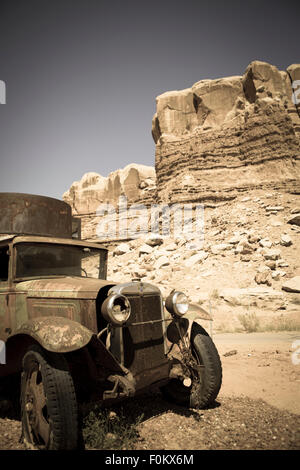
{"type": "Point", "coordinates": [4, 260]}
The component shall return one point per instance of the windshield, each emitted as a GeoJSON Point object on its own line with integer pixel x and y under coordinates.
{"type": "Point", "coordinates": [45, 259]}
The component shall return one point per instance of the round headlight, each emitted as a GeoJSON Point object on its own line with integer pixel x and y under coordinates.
{"type": "Point", "coordinates": [177, 303]}
{"type": "Point", "coordinates": [116, 309]}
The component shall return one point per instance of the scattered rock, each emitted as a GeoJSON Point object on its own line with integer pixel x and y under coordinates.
{"type": "Point", "coordinates": [285, 240]}
{"type": "Point", "coordinates": [276, 223]}
{"type": "Point", "coordinates": [280, 263]}
{"type": "Point", "coordinates": [253, 238]}
{"type": "Point", "coordinates": [138, 272]}
{"type": "Point", "coordinates": [296, 210]}
{"type": "Point", "coordinates": [244, 248]}
{"type": "Point", "coordinates": [274, 208]}
{"type": "Point", "coordinates": [234, 240]}
{"type": "Point", "coordinates": [145, 249]}
{"type": "Point", "coordinates": [295, 220]}
{"type": "Point", "coordinates": [110, 436]}
{"type": "Point", "coordinates": [171, 247]}
{"type": "Point", "coordinates": [272, 254]}
{"type": "Point", "coordinates": [271, 264]}
{"type": "Point", "coordinates": [245, 258]}
{"type": "Point", "coordinates": [195, 259]}
{"type": "Point", "coordinates": [216, 249]}
{"type": "Point", "coordinates": [230, 353]}
{"type": "Point", "coordinates": [264, 276]}
{"type": "Point", "coordinates": [154, 240]}
{"type": "Point", "coordinates": [121, 249]}
{"type": "Point", "coordinates": [276, 275]}
{"type": "Point", "coordinates": [265, 243]}
{"type": "Point", "coordinates": [162, 261]}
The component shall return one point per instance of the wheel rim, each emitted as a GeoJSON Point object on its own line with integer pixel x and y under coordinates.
{"type": "Point", "coordinates": [35, 407]}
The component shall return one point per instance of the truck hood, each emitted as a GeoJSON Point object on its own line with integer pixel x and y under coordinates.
{"type": "Point", "coordinates": [65, 287]}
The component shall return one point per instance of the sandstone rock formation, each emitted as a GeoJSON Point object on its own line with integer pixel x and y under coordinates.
{"type": "Point", "coordinates": [96, 193]}
{"type": "Point", "coordinates": [229, 134]}
{"type": "Point", "coordinates": [136, 182]}
{"type": "Point", "coordinates": [213, 140]}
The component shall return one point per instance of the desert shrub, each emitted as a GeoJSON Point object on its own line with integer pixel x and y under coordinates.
{"type": "Point", "coordinates": [214, 295]}
{"type": "Point", "coordinates": [249, 322]}
{"type": "Point", "coordinates": [283, 324]}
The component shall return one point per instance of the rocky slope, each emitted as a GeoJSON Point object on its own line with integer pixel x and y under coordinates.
{"type": "Point", "coordinates": [246, 270]}
{"type": "Point", "coordinates": [229, 134]}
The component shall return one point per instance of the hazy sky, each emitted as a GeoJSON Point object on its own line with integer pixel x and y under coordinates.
{"type": "Point", "coordinates": [82, 76]}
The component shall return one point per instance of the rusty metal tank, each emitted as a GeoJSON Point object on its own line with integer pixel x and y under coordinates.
{"type": "Point", "coordinates": [29, 214]}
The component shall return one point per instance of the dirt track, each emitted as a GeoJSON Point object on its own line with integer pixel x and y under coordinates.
{"type": "Point", "coordinates": [258, 406]}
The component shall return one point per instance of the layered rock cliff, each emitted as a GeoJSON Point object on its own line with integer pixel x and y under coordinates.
{"type": "Point", "coordinates": [213, 140]}
{"type": "Point", "coordinates": [230, 134]}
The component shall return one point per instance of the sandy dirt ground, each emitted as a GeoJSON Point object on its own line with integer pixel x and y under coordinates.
{"type": "Point", "coordinates": [266, 366]}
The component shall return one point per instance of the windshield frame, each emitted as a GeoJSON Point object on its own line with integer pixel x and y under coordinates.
{"type": "Point", "coordinates": [103, 252]}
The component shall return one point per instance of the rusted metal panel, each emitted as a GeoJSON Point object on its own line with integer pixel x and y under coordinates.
{"type": "Point", "coordinates": [56, 334]}
{"type": "Point", "coordinates": [34, 215]}
{"type": "Point", "coordinates": [144, 346]}
{"type": "Point", "coordinates": [62, 288]}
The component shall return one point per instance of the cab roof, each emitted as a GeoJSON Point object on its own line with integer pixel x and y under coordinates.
{"type": "Point", "coordinates": [38, 239]}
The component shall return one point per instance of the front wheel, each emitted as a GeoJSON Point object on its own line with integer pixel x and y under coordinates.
{"type": "Point", "coordinates": [206, 383]}
{"type": "Point", "coordinates": [48, 402]}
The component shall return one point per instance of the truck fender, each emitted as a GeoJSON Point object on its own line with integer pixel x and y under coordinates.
{"type": "Point", "coordinates": [188, 327]}
{"type": "Point", "coordinates": [55, 334]}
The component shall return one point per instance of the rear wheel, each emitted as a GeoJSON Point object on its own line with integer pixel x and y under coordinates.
{"type": "Point", "coordinates": [205, 380]}
{"type": "Point", "coordinates": [48, 402]}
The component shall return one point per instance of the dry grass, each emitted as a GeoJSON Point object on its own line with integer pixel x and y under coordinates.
{"type": "Point", "coordinates": [250, 322]}
{"type": "Point", "coordinates": [108, 429]}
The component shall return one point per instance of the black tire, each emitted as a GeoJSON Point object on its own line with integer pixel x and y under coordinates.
{"type": "Point", "coordinates": [204, 390]}
{"type": "Point", "coordinates": [48, 402]}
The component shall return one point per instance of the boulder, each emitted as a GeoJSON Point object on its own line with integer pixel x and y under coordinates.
{"type": "Point", "coordinates": [244, 248]}
{"type": "Point", "coordinates": [271, 264]}
{"type": "Point", "coordinates": [217, 249]}
{"type": "Point", "coordinates": [265, 243]}
{"type": "Point", "coordinates": [272, 254]}
{"type": "Point", "coordinates": [295, 220]}
{"type": "Point", "coordinates": [285, 240]}
{"type": "Point", "coordinates": [145, 250]}
{"type": "Point", "coordinates": [292, 285]}
{"type": "Point", "coordinates": [195, 259]}
{"type": "Point", "coordinates": [121, 249]}
{"type": "Point", "coordinates": [160, 262]}
{"type": "Point", "coordinates": [264, 276]}
{"type": "Point", "coordinates": [253, 238]}
{"type": "Point", "coordinates": [261, 297]}
{"type": "Point", "coordinates": [154, 240]}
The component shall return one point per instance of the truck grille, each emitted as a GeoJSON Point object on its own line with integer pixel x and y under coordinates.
{"type": "Point", "coordinates": [144, 344]}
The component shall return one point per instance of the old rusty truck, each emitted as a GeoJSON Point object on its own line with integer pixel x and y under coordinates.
{"type": "Point", "coordinates": [71, 336]}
